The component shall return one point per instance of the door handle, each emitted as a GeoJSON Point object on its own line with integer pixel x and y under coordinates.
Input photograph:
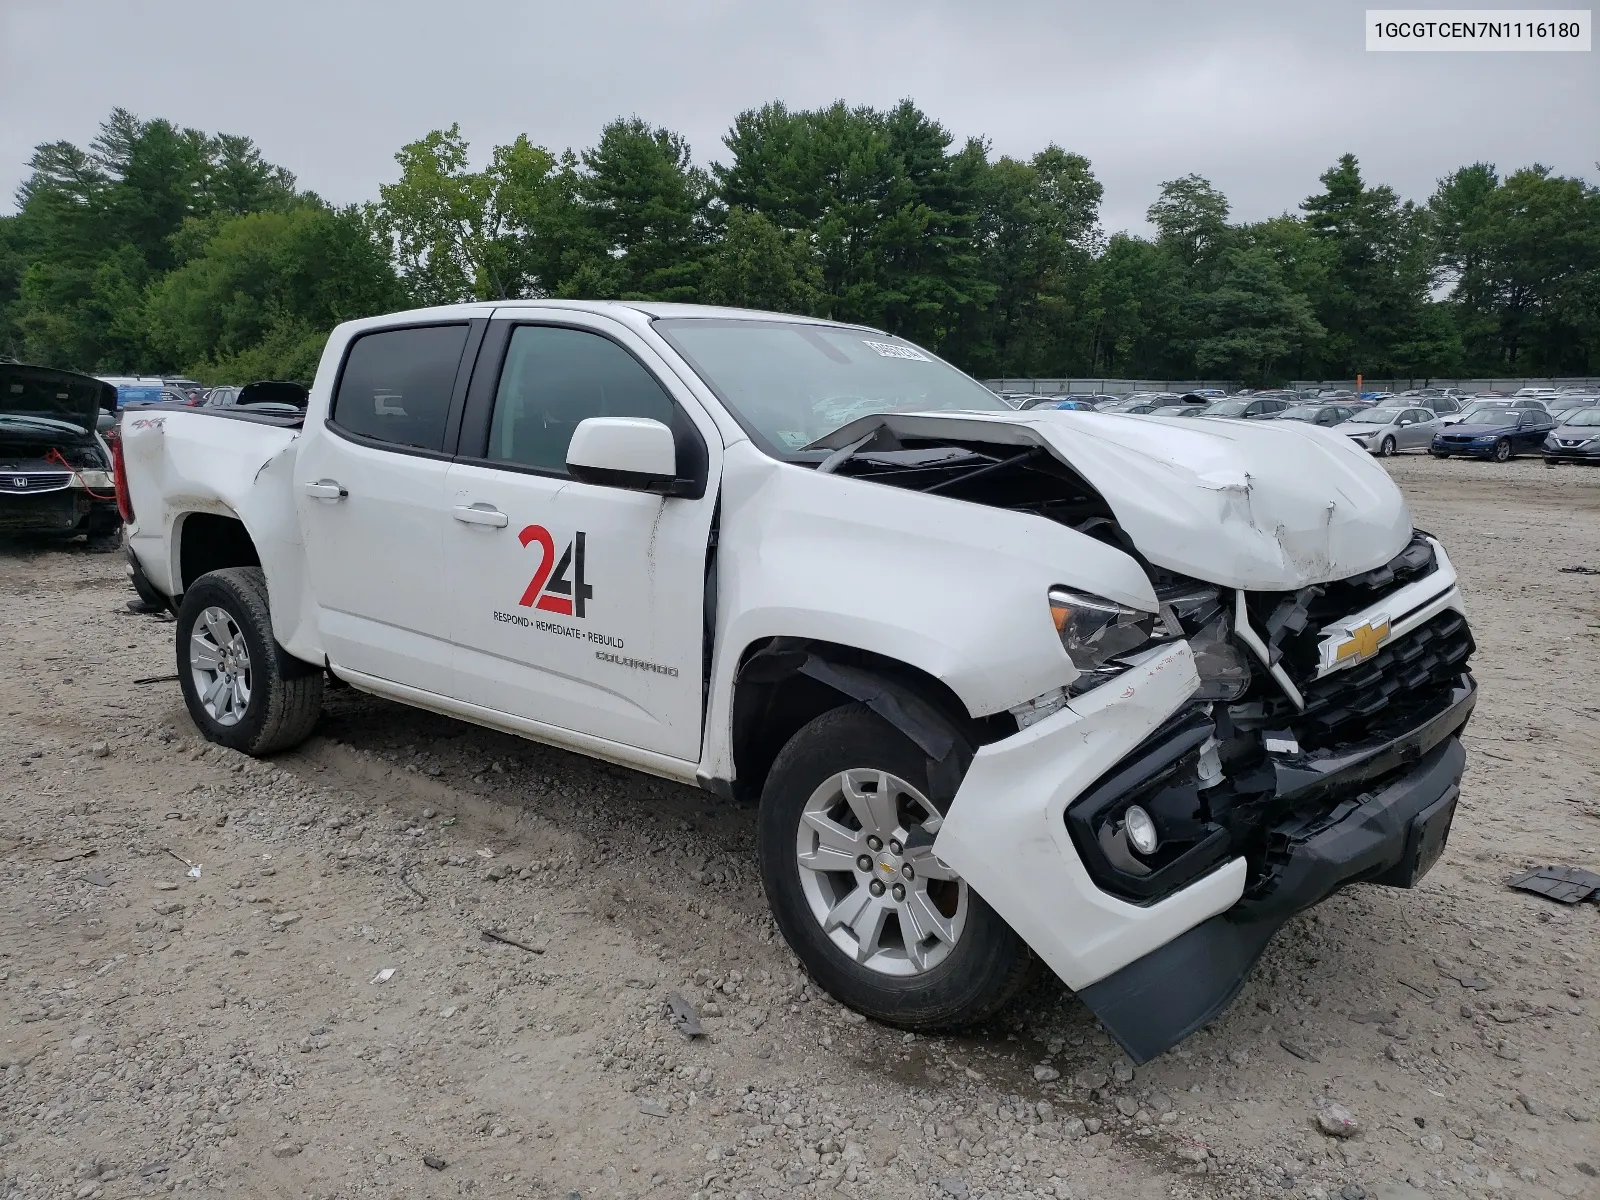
{"type": "Point", "coordinates": [481, 514]}
{"type": "Point", "coordinates": [326, 489]}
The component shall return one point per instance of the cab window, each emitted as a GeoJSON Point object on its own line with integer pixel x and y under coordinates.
{"type": "Point", "coordinates": [555, 377]}
{"type": "Point", "coordinates": [396, 385]}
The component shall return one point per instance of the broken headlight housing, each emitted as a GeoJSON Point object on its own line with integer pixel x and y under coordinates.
{"type": "Point", "coordinates": [1096, 632]}
{"type": "Point", "coordinates": [1197, 613]}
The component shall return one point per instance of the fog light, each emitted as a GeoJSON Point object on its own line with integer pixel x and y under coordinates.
{"type": "Point", "coordinates": [1141, 830]}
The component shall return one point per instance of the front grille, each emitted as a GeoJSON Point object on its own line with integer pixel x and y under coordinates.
{"type": "Point", "coordinates": [1404, 678]}
{"type": "Point", "coordinates": [1277, 615]}
{"type": "Point", "coordinates": [28, 483]}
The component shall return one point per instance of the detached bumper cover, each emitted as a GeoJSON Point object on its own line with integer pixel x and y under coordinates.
{"type": "Point", "coordinates": [1391, 834]}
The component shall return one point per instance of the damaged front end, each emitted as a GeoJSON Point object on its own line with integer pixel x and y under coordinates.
{"type": "Point", "coordinates": [1318, 747]}
{"type": "Point", "coordinates": [1340, 763]}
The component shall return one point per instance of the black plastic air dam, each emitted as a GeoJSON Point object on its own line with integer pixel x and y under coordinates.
{"type": "Point", "coordinates": [1155, 1002]}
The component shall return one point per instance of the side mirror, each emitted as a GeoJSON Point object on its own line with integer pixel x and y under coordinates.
{"type": "Point", "coordinates": [1406, 422]}
{"type": "Point", "coordinates": [626, 452]}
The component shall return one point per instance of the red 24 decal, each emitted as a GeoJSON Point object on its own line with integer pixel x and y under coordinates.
{"type": "Point", "coordinates": [559, 594]}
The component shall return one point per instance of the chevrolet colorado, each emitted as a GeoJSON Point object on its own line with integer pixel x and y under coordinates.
{"type": "Point", "coordinates": [1118, 694]}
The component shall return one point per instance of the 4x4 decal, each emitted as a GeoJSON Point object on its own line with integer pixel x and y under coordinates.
{"type": "Point", "coordinates": [550, 590]}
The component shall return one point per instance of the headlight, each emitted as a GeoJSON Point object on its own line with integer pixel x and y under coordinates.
{"type": "Point", "coordinates": [1095, 631]}
{"type": "Point", "coordinates": [1198, 614]}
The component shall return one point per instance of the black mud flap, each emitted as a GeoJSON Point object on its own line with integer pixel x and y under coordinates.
{"type": "Point", "coordinates": [1155, 1002]}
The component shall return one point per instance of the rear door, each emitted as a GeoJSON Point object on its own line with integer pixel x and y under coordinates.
{"type": "Point", "coordinates": [577, 605]}
{"type": "Point", "coordinates": [369, 487]}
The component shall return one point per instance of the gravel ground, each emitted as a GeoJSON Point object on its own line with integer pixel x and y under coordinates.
{"type": "Point", "coordinates": [229, 1029]}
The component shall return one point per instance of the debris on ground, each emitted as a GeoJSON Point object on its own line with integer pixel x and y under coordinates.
{"type": "Point", "coordinates": [1580, 571]}
{"type": "Point", "coordinates": [490, 935]}
{"type": "Point", "coordinates": [433, 1162]}
{"type": "Point", "coordinates": [77, 852]}
{"type": "Point", "coordinates": [384, 975]}
{"type": "Point", "coordinates": [149, 679]}
{"type": "Point", "coordinates": [683, 1016]}
{"type": "Point", "coordinates": [1569, 885]}
{"type": "Point", "coordinates": [1336, 1120]}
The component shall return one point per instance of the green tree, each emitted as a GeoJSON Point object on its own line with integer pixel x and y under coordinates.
{"type": "Point", "coordinates": [260, 298]}
{"type": "Point", "coordinates": [644, 204]}
{"type": "Point", "coordinates": [458, 234]}
{"type": "Point", "coordinates": [1191, 219]}
{"type": "Point", "coordinates": [1378, 267]}
{"type": "Point", "coordinates": [1254, 320]}
{"type": "Point", "coordinates": [757, 265]}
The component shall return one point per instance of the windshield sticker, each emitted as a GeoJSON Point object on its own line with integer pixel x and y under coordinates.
{"type": "Point", "coordinates": [792, 438]}
{"type": "Point", "coordinates": [890, 350]}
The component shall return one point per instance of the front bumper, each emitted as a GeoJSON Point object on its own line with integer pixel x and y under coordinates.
{"type": "Point", "coordinates": [1465, 449]}
{"type": "Point", "coordinates": [59, 511]}
{"type": "Point", "coordinates": [1381, 814]}
{"type": "Point", "coordinates": [1560, 453]}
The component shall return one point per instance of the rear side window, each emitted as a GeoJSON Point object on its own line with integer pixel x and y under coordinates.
{"type": "Point", "coordinates": [555, 378]}
{"type": "Point", "coordinates": [396, 385]}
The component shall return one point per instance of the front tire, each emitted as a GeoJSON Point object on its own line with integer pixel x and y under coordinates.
{"type": "Point", "coordinates": [845, 836]}
{"type": "Point", "coordinates": [1502, 451]}
{"type": "Point", "coordinates": [243, 690]}
{"type": "Point", "coordinates": [1386, 448]}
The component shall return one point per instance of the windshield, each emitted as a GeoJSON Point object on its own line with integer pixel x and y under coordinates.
{"type": "Point", "coordinates": [1583, 416]}
{"type": "Point", "coordinates": [790, 384]}
{"type": "Point", "coordinates": [1376, 416]}
{"type": "Point", "coordinates": [1300, 414]}
{"type": "Point", "coordinates": [1227, 408]}
{"type": "Point", "coordinates": [1486, 414]}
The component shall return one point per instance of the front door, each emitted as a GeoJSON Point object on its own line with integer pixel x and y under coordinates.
{"type": "Point", "coordinates": [576, 605]}
{"type": "Point", "coordinates": [369, 487]}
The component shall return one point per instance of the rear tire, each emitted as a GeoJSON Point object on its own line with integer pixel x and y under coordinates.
{"type": "Point", "coordinates": [973, 973]}
{"type": "Point", "coordinates": [258, 701]}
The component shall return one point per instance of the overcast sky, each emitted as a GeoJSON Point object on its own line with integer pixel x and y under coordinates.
{"type": "Point", "coordinates": [1260, 97]}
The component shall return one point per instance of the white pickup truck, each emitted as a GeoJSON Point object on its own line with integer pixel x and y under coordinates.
{"type": "Point", "coordinates": [1117, 693]}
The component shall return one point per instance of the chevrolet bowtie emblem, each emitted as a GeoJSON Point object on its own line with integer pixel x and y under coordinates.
{"type": "Point", "coordinates": [1363, 641]}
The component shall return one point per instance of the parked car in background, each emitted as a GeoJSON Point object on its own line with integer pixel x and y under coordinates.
{"type": "Point", "coordinates": [1326, 415]}
{"type": "Point", "coordinates": [1575, 439]}
{"type": "Point", "coordinates": [1386, 430]}
{"type": "Point", "coordinates": [140, 395]}
{"type": "Point", "coordinates": [1082, 403]}
{"type": "Point", "coordinates": [267, 395]}
{"type": "Point", "coordinates": [55, 469]}
{"type": "Point", "coordinates": [1141, 403]}
{"type": "Point", "coordinates": [185, 391]}
{"type": "Point", "coordinates": [1480, 408]}
{"type": "Point", "coordinates": [1069, 402]}
{"type": "Point", "coordinates": [1565, 405]}
{"type": "Point", "coordinates": [1537, 393]}
{"type": "Point", "coordinates": [1497, 433]}
{"type": "Point", "coordinates": [1246, 408]}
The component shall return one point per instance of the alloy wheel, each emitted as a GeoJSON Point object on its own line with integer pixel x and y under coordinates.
{"type": "Point", "coordinates": [219, 659]}
{"type": "Point", "coordinates": [867, 868]}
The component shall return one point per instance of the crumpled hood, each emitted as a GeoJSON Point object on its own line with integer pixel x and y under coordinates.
{"type": "Point", "coordinates": [1261, 505]}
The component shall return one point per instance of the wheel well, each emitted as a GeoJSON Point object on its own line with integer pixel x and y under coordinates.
{"type": "Point", "coordinates": [208, 542]}
{"type": "Point", "coordinates": [775, 696]}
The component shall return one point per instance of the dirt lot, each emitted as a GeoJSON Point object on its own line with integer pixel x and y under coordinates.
{"type": "Point", "coordinates": [227, 1034]}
